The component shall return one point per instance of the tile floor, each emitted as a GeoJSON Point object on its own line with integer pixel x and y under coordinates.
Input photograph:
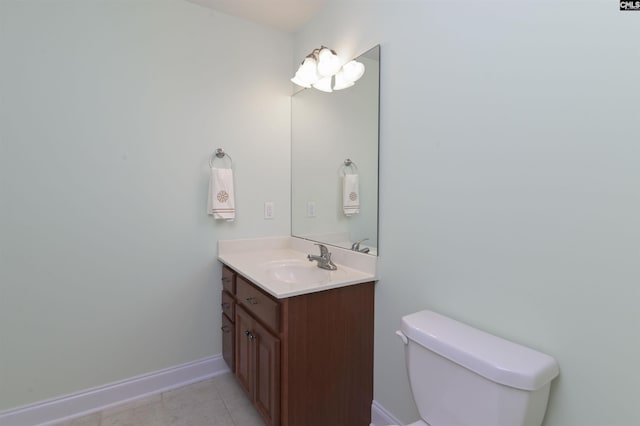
{"type": "Point", "coordinates": [218, 401]}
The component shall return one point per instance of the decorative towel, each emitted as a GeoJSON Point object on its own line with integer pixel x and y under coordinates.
{"type": "Point", "coordinates": [221, 203]}
{"type": "Point", "coordinates": [350, 195]}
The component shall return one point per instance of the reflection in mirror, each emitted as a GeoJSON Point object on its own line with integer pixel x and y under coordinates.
{"type": "Point", "coordinates": [334, 202]}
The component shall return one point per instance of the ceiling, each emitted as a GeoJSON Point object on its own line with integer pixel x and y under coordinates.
{"type": "Point", "coordinates": [285, 15]}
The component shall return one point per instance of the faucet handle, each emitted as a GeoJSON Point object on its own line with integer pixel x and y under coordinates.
{"type": "Point", "coordinates": [324, 251]}
{"type": "Point", "coordinates": [356, 246]}
{"type": "Point", "coordinates": [324, 260]}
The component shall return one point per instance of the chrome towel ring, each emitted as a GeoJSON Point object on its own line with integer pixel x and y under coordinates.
{"type": "Point", "coordinates": [348, 164]}
{"type": "Point", "coordinates": [220, 154]}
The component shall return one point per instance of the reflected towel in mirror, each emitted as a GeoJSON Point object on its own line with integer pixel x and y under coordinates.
{"type": "Point", "coordinates": [350, 195]}
{"type": "Point", "coordinates": [221, 202]}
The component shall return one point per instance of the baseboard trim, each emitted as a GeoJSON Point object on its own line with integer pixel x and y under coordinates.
{"type": "Point", "coordinates": [381, 417]}
{"type": "Point", "coordinates": [95, 399]}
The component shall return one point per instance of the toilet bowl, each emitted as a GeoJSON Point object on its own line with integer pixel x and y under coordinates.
{"type": "Point", "coordinates": [462, 376]}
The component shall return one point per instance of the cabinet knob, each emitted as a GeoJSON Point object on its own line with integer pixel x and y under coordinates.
{"type": "Point", "coordinates": [225, 328]}
{"type": "Point", "coordinates": [246, 333]}
{"type": "Point", "coordinates": [251, 300]}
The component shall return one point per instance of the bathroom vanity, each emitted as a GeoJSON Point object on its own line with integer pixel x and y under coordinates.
{"type": "Point", "coordinates": [302, 352]}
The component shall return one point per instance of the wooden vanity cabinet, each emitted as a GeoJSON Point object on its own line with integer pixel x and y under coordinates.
{"type": "Point", "coordinates": [258, 365]}
{"type": "Point", "coordinates": [228, 305]}
{"type": "Point", "coordinates": [258, 348]}
{"type": "Point", "coordinates": [306, 360]}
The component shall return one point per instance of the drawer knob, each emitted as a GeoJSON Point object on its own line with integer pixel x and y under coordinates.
{"type": "Point", "coordinates": [252, 300]}
{"type": "Point", "coordinates": [225, 328]}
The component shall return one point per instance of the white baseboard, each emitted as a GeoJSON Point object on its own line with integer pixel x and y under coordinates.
{"type": "Point", "coordinates": [96, 399]}
{"type": "Point", "coordinates": [381, 417]}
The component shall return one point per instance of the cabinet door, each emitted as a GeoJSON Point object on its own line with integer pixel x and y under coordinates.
{"type": "Point", "coordinates": [244, 356]}
{"type": "Point", "coordinates": [267, 374]}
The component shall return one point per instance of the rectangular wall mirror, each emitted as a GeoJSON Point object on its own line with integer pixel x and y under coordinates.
{"type": "Point", "coordinates": [326, 130]}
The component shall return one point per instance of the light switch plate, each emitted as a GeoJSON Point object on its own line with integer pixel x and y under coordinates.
{"type": "Point", "coordinates": [311, 209]}
{"type": "Point", "coordinates": [268, 210]}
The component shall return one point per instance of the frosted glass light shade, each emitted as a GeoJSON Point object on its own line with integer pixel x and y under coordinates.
{"type": "Point", "coordinates": [328, 63]}
{"type": "Point", "coordinates": [300, 81]}
{"type": "Point", "coordinates": [324, 84]}
{"type": "Point", "coordinates": [341, 82]}
{"type": "Point", "coordinates": [353, 70]}
{"type": "Point", "coordinates": [307, 73]}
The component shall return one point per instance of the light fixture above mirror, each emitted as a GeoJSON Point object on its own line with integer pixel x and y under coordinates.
{"type": "Point", "coordinates": [321, 68]}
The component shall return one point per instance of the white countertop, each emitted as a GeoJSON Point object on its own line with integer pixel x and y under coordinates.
{"type": "Point", "coordinates": [252, 258]}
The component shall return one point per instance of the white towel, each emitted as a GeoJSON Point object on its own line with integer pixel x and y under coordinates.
{"type": "Point", "coordinates": [221, 203]}
{"type": "Point", "coordinates": [350, 195]}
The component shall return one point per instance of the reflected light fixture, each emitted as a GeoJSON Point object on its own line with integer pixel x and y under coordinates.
{"type": "Point", "coordinates": [322, 66]}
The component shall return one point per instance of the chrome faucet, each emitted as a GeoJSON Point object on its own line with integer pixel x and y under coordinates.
{"type": "Point", "coordinates": [356, 246]}
{"type": "Point", "coordinates": [324, 260]}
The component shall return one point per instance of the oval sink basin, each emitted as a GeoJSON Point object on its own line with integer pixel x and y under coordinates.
{"type": "Point", "coordinates": [297, 272]}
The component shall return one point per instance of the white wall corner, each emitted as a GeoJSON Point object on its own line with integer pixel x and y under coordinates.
{"type": "Point", "coordinates": [95, 399]}
{"type": "Point", "coordinates": [381, 417]}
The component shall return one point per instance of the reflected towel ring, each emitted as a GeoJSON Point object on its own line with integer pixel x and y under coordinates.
{"type": "Point", "coordinates": [220, 154]}
{"type": "Point", "coordinates": [349, 164]}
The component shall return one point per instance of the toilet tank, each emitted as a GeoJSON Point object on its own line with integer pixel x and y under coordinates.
{"type": "Point", "coordinates": [462, 376]}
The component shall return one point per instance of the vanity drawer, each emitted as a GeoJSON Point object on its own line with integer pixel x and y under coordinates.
{"type": "Point", "coordinates": [228, 305]}
{"type": "Point", "coordinates": [262, 306]}
{"type": "Point", "coordinates": [228, 342]}
{"type": "Point", "coordinates": [228, 280]}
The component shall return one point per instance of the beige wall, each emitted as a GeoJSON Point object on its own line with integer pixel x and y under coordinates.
{"type": "Point", "coordinates": [109, 110]}
{"type": "Point", "coordinates": [510, 195]}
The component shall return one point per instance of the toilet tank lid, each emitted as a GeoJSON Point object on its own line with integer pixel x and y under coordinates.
{"type": "Point", "coordinates": [492, 357]}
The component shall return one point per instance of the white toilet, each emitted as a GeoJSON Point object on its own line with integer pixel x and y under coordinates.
{"type": "Point", "coordinates": [461, 376]}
